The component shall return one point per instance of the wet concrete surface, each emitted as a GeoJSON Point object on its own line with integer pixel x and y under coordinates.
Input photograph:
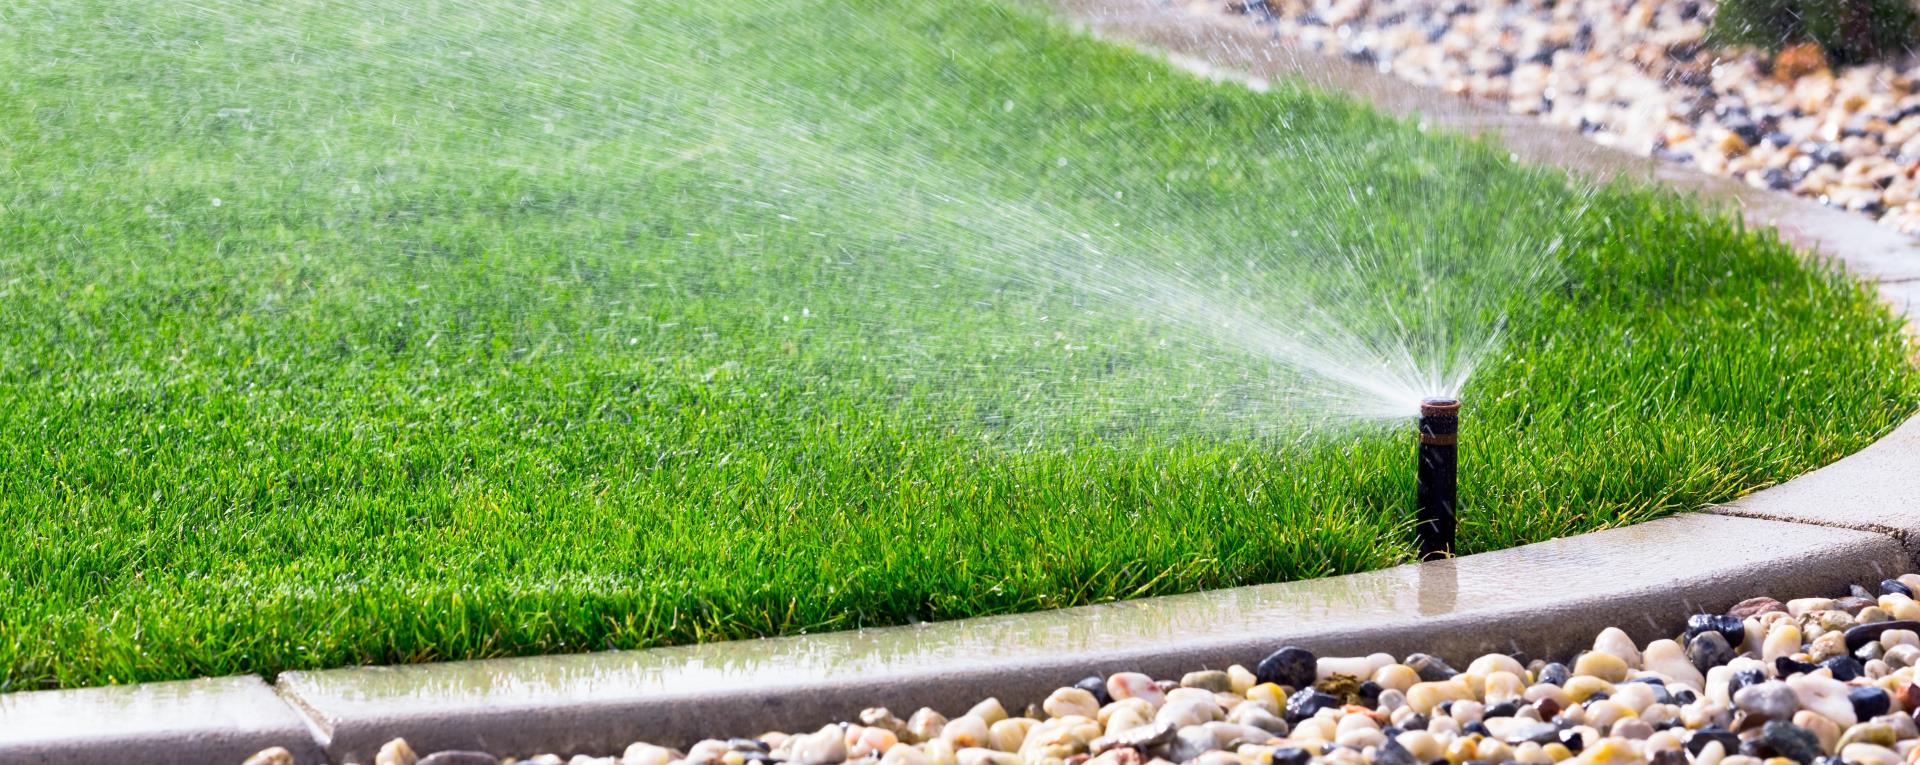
{"type": "Point", "coordinates": [1543, 599]}
{"type": "Point", "coordinates": [192, 722]}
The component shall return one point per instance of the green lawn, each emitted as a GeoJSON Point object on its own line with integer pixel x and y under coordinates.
{"type": "Point", "coordinates": [337, 332]}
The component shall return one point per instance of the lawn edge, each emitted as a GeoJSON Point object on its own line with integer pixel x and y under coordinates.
{"type": "Point", "coordinates": [1855, 520]}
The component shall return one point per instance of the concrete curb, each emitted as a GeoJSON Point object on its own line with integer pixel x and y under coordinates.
{"type": "Point", "coordinates": [1851, 521]}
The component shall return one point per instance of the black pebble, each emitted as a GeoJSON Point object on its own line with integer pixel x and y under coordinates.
{"type": "Point", "coordinates": [1554, 674]}
{"type": "Point", "coordinates": [1860, 635]}
{"type": "Point", "coordinates": [1097, 686]}
{"type": "Point", "coordinates": [1869, 702]}
{"type": "Point", "coordinates": [1744, 678]}
{"type": "Point", "coordinates": [1503, 709]}
{"type": "Point", "coordinates": [1729, 627]}
{"type": "Point", "coordinates": [1788, 667]}
{"type": "Point", "coordinates": [1792, 741]}
{"type": "Point", "coordinates": [1369, 693]}
{"type": "Point", "coordinates": [1685, 696]}
{"type": "Point", "coordinates": [1844, 667]}
{"type": "Point", "coordinates": [1698, 739]}
{"type": "Point", "coordinates": [1431, 669]}
{"type": "Point", "coordinates": [1291, 666]}
{"type": "Point", "coordinates": [1291, 755]}
{"type": "Point", "coordinates": [1392, 753]}
{"type": "Point", "coordinates": [1475, 728]}
{"type": "Point", "coordinates": [1306, 702]}
{"type": "Point", "coordinates": [1572, 740]}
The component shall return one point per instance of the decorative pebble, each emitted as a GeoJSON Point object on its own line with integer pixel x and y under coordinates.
{"type": "Point", "coordinates": [1620, 704]}
{"type": "Point", "coordinates": [1291, 666]}
{"type": "Point", "coordinates": [459, 757]}
{"type": "Point", "coordinates": [274, 756]}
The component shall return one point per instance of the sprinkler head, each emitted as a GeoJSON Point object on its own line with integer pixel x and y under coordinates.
{"type": "Point", "coordinates": [1439, 420]}
{"type": "Point", "coordinates": [1435, 489]}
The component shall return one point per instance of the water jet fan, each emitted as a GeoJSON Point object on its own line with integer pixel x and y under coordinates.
{"type": "Point", "coordinates": [1434, 477]}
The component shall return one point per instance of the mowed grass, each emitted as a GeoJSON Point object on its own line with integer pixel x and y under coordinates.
{"type": "Point", "coordinates": [337, 332]}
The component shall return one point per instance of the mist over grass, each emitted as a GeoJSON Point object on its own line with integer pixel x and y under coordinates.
{"type": "Point", "coordinates": [339, 331]}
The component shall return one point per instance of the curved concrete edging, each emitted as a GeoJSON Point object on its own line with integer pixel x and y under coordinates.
{"type": "Point", "coordinates": [1855, 520]}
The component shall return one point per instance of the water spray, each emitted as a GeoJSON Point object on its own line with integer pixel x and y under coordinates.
{"type": "Point", "coordinates": [1434, 478]}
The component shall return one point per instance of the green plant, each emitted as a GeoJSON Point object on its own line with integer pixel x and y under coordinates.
{"type": "Point", "coordinates": [1848, 31]}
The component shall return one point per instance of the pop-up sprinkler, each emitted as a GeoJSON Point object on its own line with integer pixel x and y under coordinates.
{"type": "Point", "coordinates": [1434, 489]}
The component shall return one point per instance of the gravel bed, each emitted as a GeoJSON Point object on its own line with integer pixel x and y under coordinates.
{"type": "Point", "coordinates": [1638, 76]}
{"type": "Point", "coordinates": [1810, 681]}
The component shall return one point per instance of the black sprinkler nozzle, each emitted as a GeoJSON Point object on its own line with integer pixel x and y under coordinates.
{"type": "Point", "coordinates": [1434, 477]}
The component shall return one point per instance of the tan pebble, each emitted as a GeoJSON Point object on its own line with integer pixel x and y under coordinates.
{"type": "Point", "coordinates": [965, 731]}
{"type": "Point", "coordinates": [940, 751]}
{"type": "Point", "coordinates": [1398, 677]}
{"type": "Point", "coordinates": [1007, 735]}
{"type": "Point", "coordinates": [1892, 638]}
{"type": "Point", "coordinates": [1503, 686]}
{"type": "Point", "coordinates": [1241, 680]}
{"type": "Point", "coordinates": [1611, 752]}
{"type": "Point", "coordinates": [989, 711]}
{"type": "Point", "coordinates": [1460, 750]}
{"type": "Point", "coordinates": [1604, 714]}
{"type": "Point", "coordinates": [1360, 739]}
{"type": "Point", "coordinates": [1122, 720]}
{"type": "Point", "coordinates": [1579, 687]}
{"type": "Point", "coordinates": [1665, 741]}
{"type": "Point", "coordinates": [1876, 733]}
{"type": "Point", "coordinates": [1068, 702]}
{"type": "Point", "coordinates": [1422, 745]}
{"type": "Point", "coordinates": [1531, 753]}
{"type": "Point", "coordinates": [1631, 728]}
{"type": "Point", "coordinates": [399, 752]}
{"type": "Point", "coordinates": [1615, 642]}
{"type": "Point", "coordinates": [1059, 738]}
{"type": "Point", "coordinates": [1314, 729]}
{"type": "Point", "coordinates": [1604, 666]}
{"type": "Point", "coordinates": [925, 725]}
{"type": "Point", "coordinates": [1142, 708]}
{"type": "Point", "coordinates": [1782, 640]}
{"type": "Point", "coordinates": [1821, 728]}
{"type": "Point", "coordinates": [906, 755]}
{"type": "Point", "coordinates": [1486, 665]}
{"type": "Point", "coordinates": [1824, 696]}
{"type": "Point", "coordinates": [1423, 697]}
{"type": "Point", "coordinates": [1669, 660]}
{"type": "Point", "coordinates": [637, 753]}
{"type": "Point", "coordinates": [1268, 694]}
{"type": "Point", "coordinates": [1828, 646]}
{"type": "Point", "coordinates": [1133, 685]}
{"type": "Point", "coordinates": [277, 755]}
{"type": "Point", "coordinates": [1868, 754]}
{"type": "Point", "coordinates": [1634, 696]}
{"type": "Point", "coordinates": [1543, 692]}
{"type": "Point", "coordinates": [875, 740]}
{"type": "Point", "coordinates": [1493, 750]}
{"type": "Point", "coordinates": [1185, 712]}
{"type": "Point", "coordinates": [1804, 606]}
{"type": "Point", "coordinates": [984, 756]}
{"type": "Point", "coordinates": [1358, 667]}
